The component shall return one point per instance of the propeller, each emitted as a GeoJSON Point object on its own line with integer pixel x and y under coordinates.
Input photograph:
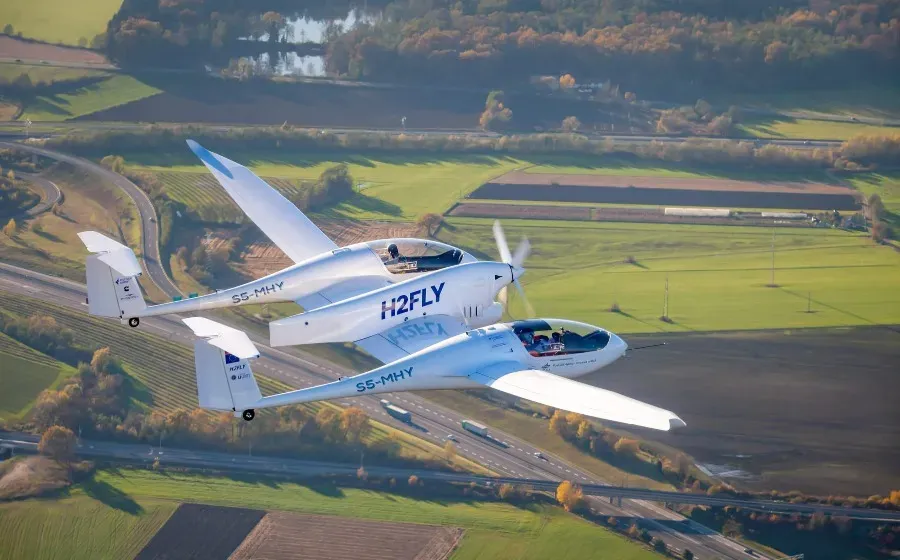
{"type": "Point", "coordinates": [515, 260]}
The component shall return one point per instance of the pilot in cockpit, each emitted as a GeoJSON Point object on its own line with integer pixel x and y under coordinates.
{"type": "Point", "coordinates": [393, 251]}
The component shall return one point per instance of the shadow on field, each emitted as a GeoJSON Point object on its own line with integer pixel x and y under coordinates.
{"type": "Point", "coordinates": [111, 496]}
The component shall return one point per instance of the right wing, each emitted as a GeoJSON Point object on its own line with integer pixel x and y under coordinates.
{"type": "Point", "coordinates": [565, 394]}
{"type": "Point", "coordinates": [276, 216]}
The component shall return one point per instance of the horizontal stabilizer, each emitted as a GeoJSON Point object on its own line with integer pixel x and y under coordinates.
{"type": "Point", "coordinates": [226, 338]}
{"type": "Point", "coordinates": [117, 256]}
{"type": "Point", "coordinates": [560, 392]}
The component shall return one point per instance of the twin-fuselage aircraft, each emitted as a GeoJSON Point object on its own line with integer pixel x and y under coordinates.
{"type": "Point", "coordinates": [425, 309]}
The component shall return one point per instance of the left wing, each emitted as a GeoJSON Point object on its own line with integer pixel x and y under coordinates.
{"type": "Point", "coordinates": [276, 216]}
{"type": "Point", "coordinates": [560, 392]}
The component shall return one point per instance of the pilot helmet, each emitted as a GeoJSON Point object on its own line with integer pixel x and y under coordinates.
{"type": "Point", "coordinates": [393, 251]}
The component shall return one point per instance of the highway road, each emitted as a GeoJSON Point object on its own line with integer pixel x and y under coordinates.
{"type": "Point", "coordinates": [16, 130]}
{"type": "Point", "coordinates": [514, 458]}
{"type": "Point", "coordinates": [50, 193]}
{"type": "Point", "coordinates": [505, 455]}
{"type": "Point", "coordinates": [149, 230]}
{"type": "Point", "coordinates": [144, 453]}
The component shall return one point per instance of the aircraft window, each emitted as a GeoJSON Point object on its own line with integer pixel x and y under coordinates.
{"type": "Point", "coordinates": [543, 338]}
{"type": "Point", "coordinates": [403, 256]}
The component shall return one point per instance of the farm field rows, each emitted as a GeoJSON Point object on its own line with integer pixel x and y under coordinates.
{"type": "Point", "coordinates": [391, 189]}
{"type": "Point", "coordinates": [717, 275]}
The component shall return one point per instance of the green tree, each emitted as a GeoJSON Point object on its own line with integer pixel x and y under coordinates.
{"type": "Point", "coordinates": [8, 29]}
{"type": "Point", "coordinates": [687, 554]}
{"type": "Point", "coordinates": [659, 545]}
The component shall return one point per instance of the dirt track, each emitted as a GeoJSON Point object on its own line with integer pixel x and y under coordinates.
{"type": "Point", "coordinates": [719, 193]}
{"type": "Point", "coordinates": [288, 536]}
{"type": "Point", "coordinates": [814, 410]}
{"type": "Point", "coordinates": [26, 50]}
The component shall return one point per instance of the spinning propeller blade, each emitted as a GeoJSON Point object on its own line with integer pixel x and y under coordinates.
{"type": "Point", "coordinates": [516, 261]}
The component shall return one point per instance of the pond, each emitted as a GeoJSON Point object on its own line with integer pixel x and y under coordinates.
{"type": "Point", "coordinates": [305, 29]}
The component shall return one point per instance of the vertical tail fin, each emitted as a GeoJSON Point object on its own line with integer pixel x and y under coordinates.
{"type": "Point", "coordinates": [225, 380]}
{"type": "Point", "coordinates": [112, 272]}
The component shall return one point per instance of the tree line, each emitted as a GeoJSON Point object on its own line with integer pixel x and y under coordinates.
{"type": "Point", "coordinates": [646, 45]}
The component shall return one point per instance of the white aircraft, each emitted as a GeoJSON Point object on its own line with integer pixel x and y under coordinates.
{"type": "Point", "coordinates": [405, 277]}
{"type": "Point", "coordinates": [532, 359]}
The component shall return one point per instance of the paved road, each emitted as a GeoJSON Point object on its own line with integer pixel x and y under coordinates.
{"type": "Point", "coordinates": [15, 130]}
{"type": "Point", "coordinates": [143, 453]}
{"type": "Point", "coordinates": [149, 231]}
{"type": "Point", "coordinates": [505, 455]}
{"type": "Point", "coordinates": [50, 193]}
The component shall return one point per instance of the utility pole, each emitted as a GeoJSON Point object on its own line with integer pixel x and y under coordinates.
{"type": "Point", "coordinates": [666, 301]}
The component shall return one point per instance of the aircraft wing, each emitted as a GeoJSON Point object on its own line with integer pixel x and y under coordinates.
{"type": "Point", "coordinates": [115, 255]}
{"type": "Point", "coordinates": [410, 337]}
{"type": "Point", "coordinates": [566, 394]}
{"type": "Point", "coordinates": [276, 216]}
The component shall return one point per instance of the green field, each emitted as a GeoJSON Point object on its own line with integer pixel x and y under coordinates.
{"type": "Point", "coordinates": [887, 186]}
{"type": "Point", "coordinates": [717, 275]}
{"type": "Point", "coordinates": [861, 101]}
{"type": "Point", "coordinates": [25, 373]}
{"type": "Point", "coordinates": [493, 530]}
{"type": "Point", "coordinates": [786, 127]}
{"type": "Point", "coordinates": [58, 21]}
{"type": "Point", "coordinates": [115, 90]}
{"type": "Point", "coordinates": [401, 188]}
{"type": "Point", "coordinates": [78, 527]}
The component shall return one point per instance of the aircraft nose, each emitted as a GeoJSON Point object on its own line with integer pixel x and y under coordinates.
{"type": "Point", "coordinates": [616, 345]}
{"type": "Point", "coordinates": [517, 272]}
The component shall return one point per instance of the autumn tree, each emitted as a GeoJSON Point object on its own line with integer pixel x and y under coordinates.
{"type": "Point", "coordinates": [113, 163]}
{"type": "Point", "coordinates": [354, 424]}
{"type": "Point", "coordinates": [876, 207]}
{"type": "Point", "coordinates": [566, 81]}
{"type": "Point", "coordinates": [507, 492]}
{"type": "Point", "coordinates": [329, 422]}
{"type": "Point", "coordinates": [571, 124]}
{"type": "Point", "coordinates": [495, 115]}
{"type": "Point", "coordinates": [569, 496]}
{"type": "Point", "coordinates": [627, 446]}
{"type": "Point", "coordinates": [450, 450]}
{"type": "Point", "coordinates": [58, 443]}
{"type": "Point", "coordinates": [9, 230]}
{"type": "Point", "coordinates": [430, 222]}
{"type": "Point", "coordinates": [362, 474]}
{"type": "Point", "coordinates": [413, 480]}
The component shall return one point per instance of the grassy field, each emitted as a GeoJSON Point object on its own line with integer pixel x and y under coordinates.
{"type": "Point", "coordinates": [493, 530]}
{"type": "Point", "coordinates": [786, 127]}
{"type": "Point", "coordinates": [887, 186]}
{"type": "Point", "coordinates": [81, 526]}
{"type": "Point", "coordinates": [115, 90]}
{"type": "Point", "coordinates": [25, 373]}
{"type": "Point", "coordinates": [401, 188]}
{"type": "Point", "coordinates": [717, 275]}
{"type": "Point", "coordinates": [58, 21]}
{"type": "Point", "coordinates": [871, 102]}
{"type": "Point", "coordinates": [88, 203]}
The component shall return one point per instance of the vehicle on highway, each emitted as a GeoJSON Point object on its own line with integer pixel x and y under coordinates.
{"type": "Point", "coordinates": [451, 437]}
{"type": "Point", "coordinates": [474, 427]}
{"type": "Point", "coordinates": [380, 284]}
{"type": "Point", "coordinates": [395, 411]}
{"type": "Point", "coordinates": [517, 358]}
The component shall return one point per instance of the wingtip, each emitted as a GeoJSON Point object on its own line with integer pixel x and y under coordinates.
{"type": "Point", "coordinates": [676, 423]}
{"type": "Point", "coordinates": [208, 158]}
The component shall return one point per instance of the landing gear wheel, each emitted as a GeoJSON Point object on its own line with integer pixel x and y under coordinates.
{"type": "Point", "coordinates": [134, 322]}
{"type": "Point", "coordinates": [248, 414]}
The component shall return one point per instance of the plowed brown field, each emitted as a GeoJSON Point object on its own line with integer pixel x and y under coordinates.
{"type": "Point", "coordinates": [287, 536]}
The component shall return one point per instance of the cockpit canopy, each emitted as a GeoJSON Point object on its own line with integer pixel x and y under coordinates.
{"type": "Point", "coordinates": [551, 337]}
{"type": "Point", "coordinates": [408, 255]}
